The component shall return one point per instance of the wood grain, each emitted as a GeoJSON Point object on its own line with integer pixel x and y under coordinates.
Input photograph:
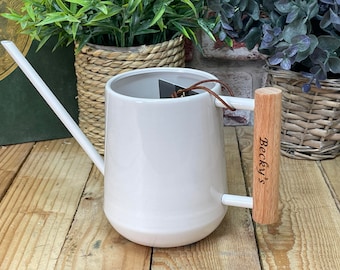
{"type": "Point", "coordinates": [331, 171]}
{"type": "Point", "coordinates": [266, 154]}
{"type": "Point", "coordinates": [51, 216]}
{"type": "Point", "coordinates": [307, 235]}
{"type": "Point", "coordinates": [232, 245]}
{"type": "Point", "coordinates": [39, 206]}
{"type": "Point", "coordinates": [92, 243]}
{"type": "Point", "coordinates": [11, 158]}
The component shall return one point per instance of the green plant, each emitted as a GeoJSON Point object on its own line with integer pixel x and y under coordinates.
{"type": "Point", "coordinates": [120, 23]}
{"type": "Point", "coordinates": [300, 35]}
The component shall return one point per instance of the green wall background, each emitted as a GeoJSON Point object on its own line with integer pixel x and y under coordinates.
{"type": "Point", "coordinates": [24, 115]}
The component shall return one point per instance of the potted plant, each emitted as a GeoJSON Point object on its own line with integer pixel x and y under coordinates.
{"type": "Point", "coordinates": [301, 40]}
{"type": "Point", "coordinates": [119, 23]}
{"type": "Point", "coordinates": [140, 34]}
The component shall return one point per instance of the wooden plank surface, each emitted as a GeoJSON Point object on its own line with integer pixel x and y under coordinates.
{"type": "Point", "coordinates": [232, 245]}
{"type": "Point", "coordinates": [11, 158]}
{"type": "Point", "coordinates": [308, 234]}
{"type": "Point", "coordinates": [331, 170]}
{"type": "Point", "coordinates": [92, 243]}
{"type": "Point", "coordinates": [52, 217]}
{"type": "Point", "coordinates": [38, 208]}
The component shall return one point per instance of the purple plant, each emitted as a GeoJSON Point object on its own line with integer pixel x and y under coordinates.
{"type": "Point", "coordinates": [296, 35]}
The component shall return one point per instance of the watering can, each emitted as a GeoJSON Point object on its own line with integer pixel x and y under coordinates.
{"type": "Point", "coordinates": [165, 174]}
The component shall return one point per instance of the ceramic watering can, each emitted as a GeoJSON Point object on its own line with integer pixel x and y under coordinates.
{"type": "Point", "coordinates": [165, 172]}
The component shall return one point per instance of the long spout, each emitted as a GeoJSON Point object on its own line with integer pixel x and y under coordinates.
{"type": "Point", "coordinates": [54, 103]}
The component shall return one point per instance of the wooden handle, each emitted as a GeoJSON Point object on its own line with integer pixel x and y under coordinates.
{"type": "Point", "coordinates": [266, 157]}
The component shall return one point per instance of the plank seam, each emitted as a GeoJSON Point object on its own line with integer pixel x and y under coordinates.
{"type": "Point", "coordinates": [329, 184]}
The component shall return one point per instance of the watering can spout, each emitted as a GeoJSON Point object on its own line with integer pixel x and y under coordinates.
{"type": "Point", "coordinates": [266, 153]}
{"type": "Point", "coordinates": [54, 103]}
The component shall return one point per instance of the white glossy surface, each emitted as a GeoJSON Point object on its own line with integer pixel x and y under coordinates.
{"type": "Point", "coordinates": [165, 165]}
{"type": "Point", "coordinates": [237, 103]}
{"type": "Point", "coordinates": [238, 201]}
{"type": "Point", "coordinates": [165, 175]}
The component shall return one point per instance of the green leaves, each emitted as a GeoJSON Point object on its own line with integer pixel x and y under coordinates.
{"type": "Point", "coordinates": [284, 6]}
{"type": "Point", "coordinates": [12, 16]}
{"type": "Point", "coordinates": [206, 28]}
{"type": "Point", "coordinates": [132, 5]}
{"type": "Point", "coordinates": [110, 22]}
{"type": "Point", "coordinates": [56, 18]}
{"type": "Point", "coordinates": [189, 4]}
{"type": "Point", "coordinates": [331, 17]}
{"type": "Point", "coordinates": [158, 10]}
{"type": "Point", "coordinates": [252, 38]}
{"type": "Point", "coordinates": [253, 9]}
{"type": "Point", "coordinates": [294, 29]}
{"type": "Point", "coordinates": [63, 7]}
{"type": "Point", "coordinates": [334, 64]}
{"type": "Point", "coordinates": [329, 43]}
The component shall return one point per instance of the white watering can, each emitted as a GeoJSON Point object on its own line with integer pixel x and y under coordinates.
{"type": "Point", "coordinates": [165, 172]}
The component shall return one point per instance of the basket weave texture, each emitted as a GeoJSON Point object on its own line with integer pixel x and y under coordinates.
{"type": "Point", "coordinates": [310, 121]}
{"type": "Point", "coordinates": [95, 65]}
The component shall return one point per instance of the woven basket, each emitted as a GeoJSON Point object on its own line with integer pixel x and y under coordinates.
{"type": "Point", "coordinates": [310, 121]}
{"type": "Point", "coordinates": [95, 65]}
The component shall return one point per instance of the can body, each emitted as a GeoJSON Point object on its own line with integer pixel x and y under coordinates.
{"type": "Point", "coordinates": [165, 168]}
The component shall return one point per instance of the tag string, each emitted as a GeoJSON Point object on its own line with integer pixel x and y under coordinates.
{"type": "Point", "coordinates": [198, 86]}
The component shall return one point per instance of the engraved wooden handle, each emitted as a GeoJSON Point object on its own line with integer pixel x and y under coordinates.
{"type": "Point", "coordinates": [266, 157]}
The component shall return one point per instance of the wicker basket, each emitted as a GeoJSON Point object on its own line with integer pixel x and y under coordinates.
{"type": "Point", "coordinates": [310, 121]}
{"type": "Point", "coordinates": [95, 65]}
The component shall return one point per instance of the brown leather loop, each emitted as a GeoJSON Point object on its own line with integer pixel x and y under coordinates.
{"type": "Point", "coordinates": [198, 85]}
